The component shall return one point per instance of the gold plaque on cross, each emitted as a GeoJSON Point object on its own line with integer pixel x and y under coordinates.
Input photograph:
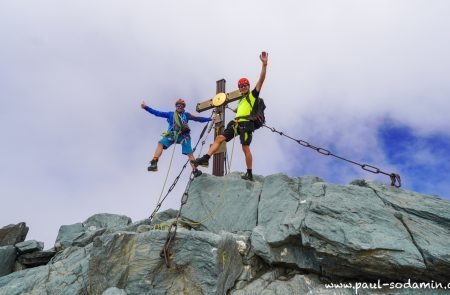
{"type": "Point", "coordinates": [219, 99]}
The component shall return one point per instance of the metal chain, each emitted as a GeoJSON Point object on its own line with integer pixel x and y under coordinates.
{"type": "Point", "coordinates": [395, 178]}
{"type": "Point", "coordinates": [165, 252]}
{"type": "Point", "coordinates": [158, 206]}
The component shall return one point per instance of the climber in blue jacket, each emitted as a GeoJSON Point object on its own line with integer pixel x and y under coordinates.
{"type": "Point", "coordinates": [178, 131]}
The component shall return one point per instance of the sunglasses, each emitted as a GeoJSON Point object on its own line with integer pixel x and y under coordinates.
{"type": "Point", "coordinates": [180, 105]}
{"type": "Point", "coordinates": [243, 85]}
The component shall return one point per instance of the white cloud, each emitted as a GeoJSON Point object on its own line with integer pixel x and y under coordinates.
{"type": "Point", "coordinates": [73, 76]}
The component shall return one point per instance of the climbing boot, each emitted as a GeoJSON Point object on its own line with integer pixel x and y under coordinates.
{"type": "Point", "coordinates": [153, 165]}
{"type": "Point", "coordinates": [197, 173]}
{"type": "Point", "coordinates": [202, 161]}
{"type": "Point", "coordinates": [247, 176]}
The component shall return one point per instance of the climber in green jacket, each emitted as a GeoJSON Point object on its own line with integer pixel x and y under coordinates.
{"type": "Point", "coordinates": [240, 125]}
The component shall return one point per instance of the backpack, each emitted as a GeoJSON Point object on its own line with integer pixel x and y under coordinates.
{"type": "Point", "coordinates": [257, 114]}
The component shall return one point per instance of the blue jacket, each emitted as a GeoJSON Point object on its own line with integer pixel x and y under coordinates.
{"type": "Point", "coordinates": [184, 116]}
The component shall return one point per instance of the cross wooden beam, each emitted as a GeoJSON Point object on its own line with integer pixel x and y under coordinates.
{"type": "Point", "coordinates": [209, 104]}
{"type": "Point", "coordinates": [219, 102]}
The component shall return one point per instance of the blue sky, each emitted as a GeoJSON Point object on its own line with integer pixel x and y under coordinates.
{"type": "Point", "coordinates": [365, 79]}
{"type": "Point", "coordinates": [423, 159]}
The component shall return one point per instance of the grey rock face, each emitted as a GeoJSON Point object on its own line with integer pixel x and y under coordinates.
{"type": "Point", "coordinates": [7, 259]}
{"type": "Point", "coordinates": [278, 282]}
{"type": "Point", "coordinates": [277, 235]}
{"type": "Point", "coordinates": [106, 220]}
{"type": "Point", "coordinates": [114, 291]}
{"type": "Point", "coordinates": [346, 231]}
{"type": "Point", "coordinates": [13, 234]}
{"type": "Point", "coordinates": [229, 262]}
{"type": "Point", "coordinates": [29, 246]}
{"type": "Point", "coordinates": [427, 221]}
{"type": "Point", "coordinates": [223, 203]}
{"type": "Point", "coordinates": [359, 231]}
{"type": "Point", "coordinates": [132, 262]}
{"type": "Point", "coordinates": [67, 274]}
{"type": "Point", "coordinates": [81, 234]}
{"type": "Point", "coordinates": [34, 259]}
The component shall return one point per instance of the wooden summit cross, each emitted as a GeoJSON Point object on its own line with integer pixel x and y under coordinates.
{"type": "Point", "coordinates": [219, 102]}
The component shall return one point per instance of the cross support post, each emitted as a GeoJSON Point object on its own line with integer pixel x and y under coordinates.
{"type": "Point", "coordinates": [219, 156]}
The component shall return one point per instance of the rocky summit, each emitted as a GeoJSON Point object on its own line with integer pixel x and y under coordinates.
{"type": "Point", "coordinates": [275, 235]}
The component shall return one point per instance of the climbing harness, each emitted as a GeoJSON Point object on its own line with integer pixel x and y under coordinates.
{"type": "Point", "coordinates": [180, 123]}
{"type": "Point", "coordinates": [395, 178]}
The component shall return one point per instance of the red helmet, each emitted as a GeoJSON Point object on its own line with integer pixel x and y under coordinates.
{"type": "Point", "coordinates": [180, 101]}
{"type": "Point", "coordinates": [243, 81]}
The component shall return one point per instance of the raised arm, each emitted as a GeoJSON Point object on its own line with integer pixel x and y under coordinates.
{"type": "Point", "coordinates": [264, 57]}
{"type": "Point", "coordinates": [198, 118]}
{"type": "Point", "coordinates": [155, 112]}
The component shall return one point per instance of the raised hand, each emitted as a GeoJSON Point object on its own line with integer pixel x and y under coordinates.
{"type": "Point", "coordinates": [264, 57]}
